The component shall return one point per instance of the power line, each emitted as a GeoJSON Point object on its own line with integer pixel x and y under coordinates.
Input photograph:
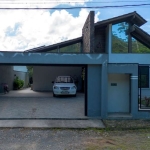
{"type": "Point", "coordinates": [88, 7]}
{"type": "Point", "coordinates": [49, 2]}
{"type": "Point", "coordinates": [74, 1]}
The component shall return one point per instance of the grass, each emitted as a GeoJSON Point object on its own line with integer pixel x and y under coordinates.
{"type": "Point", "coordinates": [120, 140]}
{"type": "Point", "coordinates": [120, 135]}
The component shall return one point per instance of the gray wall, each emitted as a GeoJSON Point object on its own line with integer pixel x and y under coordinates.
{"type": "Point", "coordinates": [6, 76]}
{"type": "Point", "coordinates": [88, 33]}
{"type": "Point", "coordinates": [94, 90]}
{"type": "Point", "coordinates": [23, 76]}
{"type": "Point", "coordinates": [44, 75]}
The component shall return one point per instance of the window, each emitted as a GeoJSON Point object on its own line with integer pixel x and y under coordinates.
{"type": "Point", "coordinates": [143, 77]}
{"type": "Point", "coordinates": [64, 79]}
{"type": "Point", "coordinates": [74, 48]}
{"type": "Point", "coordinates": [138, 47]}
{"type": "Point", "coordinates": [120, 37]}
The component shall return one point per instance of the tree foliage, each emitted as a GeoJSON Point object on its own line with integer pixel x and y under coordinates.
{"type": "Point", "coordinates": [18, 84]}
{"type": "Point", "coordinates": [30, 70]}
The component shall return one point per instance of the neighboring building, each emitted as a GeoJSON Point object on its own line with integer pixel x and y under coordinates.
{"type": "Point", "coordinates": [8, 74]}
{"type": "Point", "coordinates": [115, 54]}
{"type": "Point", "coordinates": [22, 73]}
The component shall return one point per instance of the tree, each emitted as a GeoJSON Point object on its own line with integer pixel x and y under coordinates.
{"type": "Point", "coordinates": [30, 70]}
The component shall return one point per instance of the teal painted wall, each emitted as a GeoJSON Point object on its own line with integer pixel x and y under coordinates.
{"type": "Point", "coordinates": [94, 90]}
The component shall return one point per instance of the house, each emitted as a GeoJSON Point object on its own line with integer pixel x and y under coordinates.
{"type": "Point", "coordinates": [115, 56]}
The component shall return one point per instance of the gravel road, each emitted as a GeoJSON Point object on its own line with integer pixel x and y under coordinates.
{"type": "Point", "coordinates": [43, 139]}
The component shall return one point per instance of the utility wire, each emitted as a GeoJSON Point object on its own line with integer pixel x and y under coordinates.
{"type": "Point", "coordinates": [47, 1]}
{"type": "Point", "coordinates": [88, 7]}
{"type": "Point", "coordinates": [75, 1]}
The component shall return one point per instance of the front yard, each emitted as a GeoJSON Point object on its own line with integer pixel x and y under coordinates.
{"type": "Point", "coordinates": [118, 135]}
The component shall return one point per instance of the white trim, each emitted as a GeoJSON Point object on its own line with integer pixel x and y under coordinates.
{"type": "Point", "coordinates": [134, 77]}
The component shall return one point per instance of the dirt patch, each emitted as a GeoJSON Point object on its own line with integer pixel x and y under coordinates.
{"type": "Point", "coordinates": [120, 140]}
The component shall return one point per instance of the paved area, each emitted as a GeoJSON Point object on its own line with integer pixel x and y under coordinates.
{"type": "Point", "coordinates": [94, 123]}
{"type": "Point", "coordinates": [26, 93]}
{"type": "Point", "coordinates": [30, 109]}
{"type": "Point", "coordinates": [29, 104]}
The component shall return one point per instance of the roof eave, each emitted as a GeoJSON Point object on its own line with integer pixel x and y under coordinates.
{"type": "Point", "coordinates": [133, 18]}
{"type": "Point", "coordinates": [140, 35]}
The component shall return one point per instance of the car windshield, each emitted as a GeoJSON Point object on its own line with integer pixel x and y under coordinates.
{"type": "Point", "coordinates": [64, 80]}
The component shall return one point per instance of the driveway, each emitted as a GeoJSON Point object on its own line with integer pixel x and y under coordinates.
{"type": "Point", "coordinates": [29, 104]}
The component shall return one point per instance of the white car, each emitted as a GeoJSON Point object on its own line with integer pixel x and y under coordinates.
{"type": "Point", "coordinates": [64, 85]}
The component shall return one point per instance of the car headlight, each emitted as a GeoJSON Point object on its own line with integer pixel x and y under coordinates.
{"type": "Point", "coordinates": [56, 87]}
{"type": "Point", "coordinates": [74, 87]}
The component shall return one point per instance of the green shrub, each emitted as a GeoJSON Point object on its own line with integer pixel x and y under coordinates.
{"type": "Point", "coordinates": [18, 84]}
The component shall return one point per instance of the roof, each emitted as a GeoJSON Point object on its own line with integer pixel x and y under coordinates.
{"type": "Point", "coordinates": [140, 35]}
{"type": "Point", "coordinates": [133, 18]}
{"type": "Point", "coordinates": [55, 46]}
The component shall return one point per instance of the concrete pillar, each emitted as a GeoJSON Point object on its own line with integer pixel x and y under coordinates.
{"type": "Point", "coordinates": [134, 94]}
{"type": "Point", "coordinates": [94, 91]}
{"type": "Point", "coordinates": [104, 91]}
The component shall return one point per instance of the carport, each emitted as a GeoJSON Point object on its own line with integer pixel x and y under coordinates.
{"type": "Point", "coordinates": [39, 102]}
{"type": "Point", "coordinates": [94, 76]}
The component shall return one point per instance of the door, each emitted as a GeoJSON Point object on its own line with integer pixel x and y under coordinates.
{"type": "Point", "coordinates": [118, 93]}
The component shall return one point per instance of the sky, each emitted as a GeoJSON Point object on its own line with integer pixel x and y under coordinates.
{"type": "Point", "coordinates": [23, 29]}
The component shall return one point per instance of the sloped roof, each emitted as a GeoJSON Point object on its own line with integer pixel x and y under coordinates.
{"type": "Point", "coordinates": [140, 35]}
{"type": "Point", "coordinates": [55, 46]}
{"type": "Point", "coordinates": [133, 18]}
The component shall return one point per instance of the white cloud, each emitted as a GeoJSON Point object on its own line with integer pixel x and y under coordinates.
{"type": "Point", "coordinates": [96, 19]}
{"type": "Point", "coordinates": [34, 28]}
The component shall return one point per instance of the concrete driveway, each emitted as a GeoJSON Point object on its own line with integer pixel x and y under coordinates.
{"type": "Point", "coordinates": [30, 104]}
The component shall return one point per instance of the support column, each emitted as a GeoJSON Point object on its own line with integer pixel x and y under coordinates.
{"type": "Point", "coordinates": [94, 91]}
{"type": "Point", "coordinates": [134, 95]}
{"type": "Point", "coordinates": [104, 91]}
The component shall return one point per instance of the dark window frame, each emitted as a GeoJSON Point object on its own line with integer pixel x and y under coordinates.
{"type": "Point", "coordinates": [143, 77]}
